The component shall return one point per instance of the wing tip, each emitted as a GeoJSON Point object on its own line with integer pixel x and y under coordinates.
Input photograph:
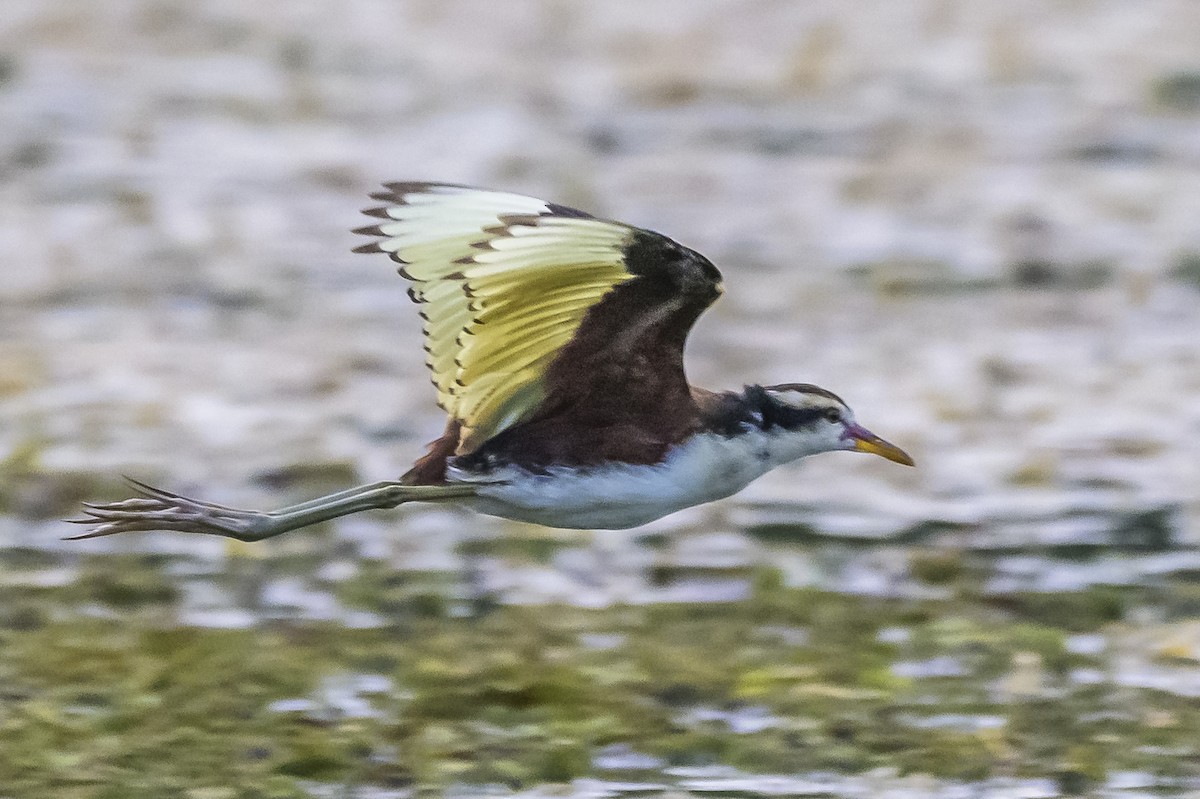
{"type": "Point", "coordinates": [402, 187]}
{"type": "Point", "coordinates": [398, 188]}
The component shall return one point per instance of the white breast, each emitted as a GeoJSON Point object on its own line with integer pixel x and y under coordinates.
{"type": "Point", "coordinates": [705, 468]}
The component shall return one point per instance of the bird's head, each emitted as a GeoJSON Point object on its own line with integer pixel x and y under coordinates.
{"type": "Point", "coordinates": [806, 419]}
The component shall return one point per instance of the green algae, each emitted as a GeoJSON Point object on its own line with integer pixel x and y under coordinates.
{"type": "Point", "coordinates": [1177, 92]}
{"type": "Point", "coordinates": [30, 490]}
{"type": "Point", "coordinates": [126, 581]}
{"type": "Point", "coordinates": [130, 701]}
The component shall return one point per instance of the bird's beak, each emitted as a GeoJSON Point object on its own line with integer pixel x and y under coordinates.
{"type": "Point", "coordinates": [866, 441]}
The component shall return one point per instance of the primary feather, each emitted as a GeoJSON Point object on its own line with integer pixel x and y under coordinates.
{"type": "Point", "coordinates": [505, 281]}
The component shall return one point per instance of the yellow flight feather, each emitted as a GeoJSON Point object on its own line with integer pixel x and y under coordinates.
{"type": "Point", "coordinates": [504, 281]}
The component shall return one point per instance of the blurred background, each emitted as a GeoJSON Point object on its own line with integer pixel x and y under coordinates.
{"type": "Point", "coordinates": [977, 222]}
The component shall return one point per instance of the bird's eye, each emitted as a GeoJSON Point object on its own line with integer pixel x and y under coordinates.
{"type": "Point", "coordinates": [833, 415]}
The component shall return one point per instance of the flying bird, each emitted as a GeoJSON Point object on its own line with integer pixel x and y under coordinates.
{"type": "Point", "coordinates": [555, 341]}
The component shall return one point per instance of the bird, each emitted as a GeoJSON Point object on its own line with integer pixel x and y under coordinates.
{"type": "Point", "coordinates": [555, 342]}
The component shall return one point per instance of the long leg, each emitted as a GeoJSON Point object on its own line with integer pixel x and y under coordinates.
{"type": "Point", "coordinates": [156, 509]}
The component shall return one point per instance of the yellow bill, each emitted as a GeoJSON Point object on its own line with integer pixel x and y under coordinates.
{"type": "Point", "coordinates": [866, 441]}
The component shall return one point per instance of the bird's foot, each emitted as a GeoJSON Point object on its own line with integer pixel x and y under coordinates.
{"type": "Point", "coordinates": [156, 509]}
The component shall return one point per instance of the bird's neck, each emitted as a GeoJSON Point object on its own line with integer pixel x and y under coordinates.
{"type": "Point", "coordinates": [749, 420]}
{"type": "Point", "coordinates": [735, 413]}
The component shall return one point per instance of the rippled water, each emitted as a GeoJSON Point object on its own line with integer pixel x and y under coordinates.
{"type": "Point", "coordinates": [976, 224]}
{"type": "Point", "coordinates": [974, 642]}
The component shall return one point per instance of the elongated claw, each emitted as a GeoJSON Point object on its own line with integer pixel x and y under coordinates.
{"type": "Point", "coordinates": [150, 492]}
{"type": "Point", "coordinates": [162, 510]}
{"type": "Point", "coordinates": [136, 503]}
{"type": "Point", "coordinates": [111, 528]}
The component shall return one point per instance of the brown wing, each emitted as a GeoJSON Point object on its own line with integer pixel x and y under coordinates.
{"type": "Point", "coordinates": [617, 390]}
{"type": "Point", "coordinates": [544, 325]}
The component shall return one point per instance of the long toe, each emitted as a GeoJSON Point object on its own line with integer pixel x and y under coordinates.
{"type": "Point", "coordinates": [170, 498]}
{"type": "Point", "coordinates": [170, 513]}
{"type": "Point", "coordinates": [134, 504]}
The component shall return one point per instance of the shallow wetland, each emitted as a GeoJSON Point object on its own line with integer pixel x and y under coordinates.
{"type": "Point", "coordinates": [975, 221]}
